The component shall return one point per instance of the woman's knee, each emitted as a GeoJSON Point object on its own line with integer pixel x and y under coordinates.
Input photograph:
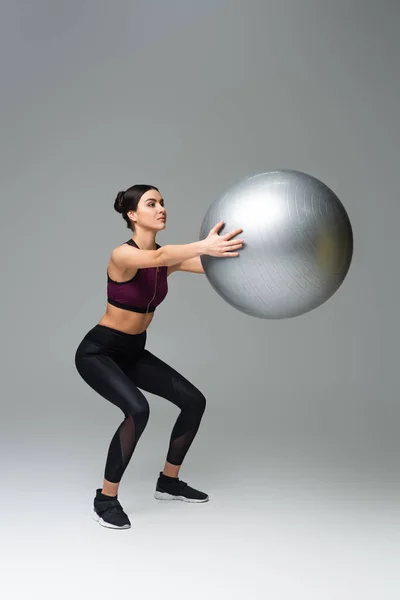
{"type": "Point", "coordinates": [197, 401]}
{"type": "Point", "coordinates": [139, 414]}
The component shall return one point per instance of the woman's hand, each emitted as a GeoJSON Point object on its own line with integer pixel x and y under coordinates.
{"type": "Point", "coordinates": [222, 245]}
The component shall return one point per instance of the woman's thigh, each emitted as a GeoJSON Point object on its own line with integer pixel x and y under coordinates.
{"type": "Point", "coordinates": [107, 378]}
{"type": "Point", "coordinates": [153, 375]}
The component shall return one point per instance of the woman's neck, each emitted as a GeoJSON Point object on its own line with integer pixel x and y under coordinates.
{"type": "Point", "coordinates": [146, 240]}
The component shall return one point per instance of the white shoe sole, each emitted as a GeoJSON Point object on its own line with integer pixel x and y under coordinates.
{"type": "Point", "coordinates": [100, 521]}
{"type": "Point", "coordinates": [166, 496]}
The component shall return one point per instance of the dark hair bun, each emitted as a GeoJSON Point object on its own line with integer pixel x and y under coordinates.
{"type": "Point", "coordinates": [119, 202]}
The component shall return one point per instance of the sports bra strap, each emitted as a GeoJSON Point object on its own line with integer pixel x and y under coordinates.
{"type": "Point", "coordinates": [132, 243]}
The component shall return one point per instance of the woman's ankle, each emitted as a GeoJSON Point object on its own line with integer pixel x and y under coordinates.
{"type": "Point", "coordinates": [109, 488]}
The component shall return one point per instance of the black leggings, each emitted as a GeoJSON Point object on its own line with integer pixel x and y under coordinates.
{"type": "Point", "coordinates": [115, 364]}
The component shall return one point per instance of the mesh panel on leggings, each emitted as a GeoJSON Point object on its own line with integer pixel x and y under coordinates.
{"type": "Point", "coordinates": [127, 438]}
{"type": "Point", "coordinates": [178, 447]}
{"type": "Point", "coordinates": [121, 450]}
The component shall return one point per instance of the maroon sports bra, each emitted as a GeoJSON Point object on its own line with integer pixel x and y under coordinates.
{"type": "Point", "coordinates": [146, 290]}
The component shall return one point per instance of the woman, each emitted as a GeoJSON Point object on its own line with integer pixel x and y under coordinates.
{"type": "Point", "coordinates": [112, 358]}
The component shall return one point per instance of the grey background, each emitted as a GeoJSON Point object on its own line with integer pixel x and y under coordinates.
{"type": "Point", "coordinates": [192, 97]}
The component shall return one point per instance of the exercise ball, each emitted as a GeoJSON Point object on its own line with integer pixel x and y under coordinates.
{"type": "Point", "coordinates": [298, 244]}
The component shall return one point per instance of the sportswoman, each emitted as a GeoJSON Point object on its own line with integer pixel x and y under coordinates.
{"type": "Point", "coordinates": [112, 357]}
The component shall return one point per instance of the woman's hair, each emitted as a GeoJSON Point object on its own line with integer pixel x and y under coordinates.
{"type": "Point", "coordinates": [128, 200]}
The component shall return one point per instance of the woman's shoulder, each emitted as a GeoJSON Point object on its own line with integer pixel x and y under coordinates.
{"type": "Point", "coordinates": [123, 247]}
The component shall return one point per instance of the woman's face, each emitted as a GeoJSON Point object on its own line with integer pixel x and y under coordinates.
{"type": "Point", "coordinates": [150, 212]}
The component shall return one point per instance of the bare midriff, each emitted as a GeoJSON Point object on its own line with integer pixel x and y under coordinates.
{"type": "Point", "coordinates": [126, 320]}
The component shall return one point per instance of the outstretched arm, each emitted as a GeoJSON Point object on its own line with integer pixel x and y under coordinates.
{"type": "Point", "coordinates": [212, 245]}
{"type": "Point", "coordinates": [191, 265]}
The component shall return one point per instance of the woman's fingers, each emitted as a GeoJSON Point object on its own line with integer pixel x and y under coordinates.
{"type": "Point", "coordinates": [234, 244]}
{"type": "Point", "coordinates": [229, 249]}
{"type": "Point", "coordinates": [232, 234]}
{"type": "Point", "coordinates": [216, 227]}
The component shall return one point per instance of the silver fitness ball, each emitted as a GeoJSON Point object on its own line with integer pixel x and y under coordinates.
{"type": "Point", "coordinates": [298, 244]}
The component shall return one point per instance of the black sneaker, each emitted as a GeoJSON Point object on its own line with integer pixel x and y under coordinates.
{"type": "Point", "coordinates": [109, 513]}
{"type": "Point", "coordinates": [172, 488]}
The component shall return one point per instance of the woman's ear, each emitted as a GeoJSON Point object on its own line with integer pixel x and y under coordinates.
{"type": "Point", "coordinates": [132, 215]}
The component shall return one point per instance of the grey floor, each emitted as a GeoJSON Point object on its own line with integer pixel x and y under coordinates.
{"type": "Point", "coordinates": [283, 534]}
